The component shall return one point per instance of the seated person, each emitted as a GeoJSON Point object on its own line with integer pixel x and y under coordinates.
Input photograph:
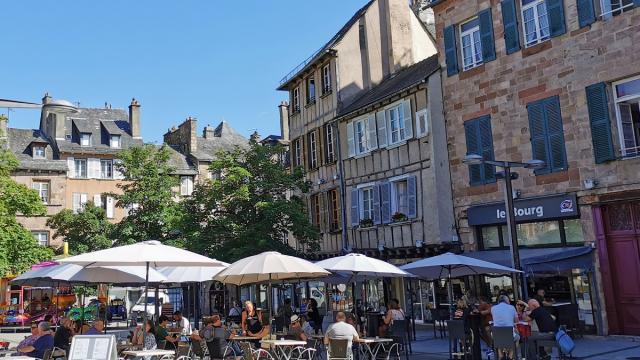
{"type": "Point", "coordinates": [97, 329]}
{"type": "Point", "coordinates": [295, 329]}
{"type": "Point", "coordinates": [43, 343]}
{"type": "Point", "coordinates": [265, 328]}
{"type": "Point", "coordinates": [541, 296]}
{"type": "Point", "coordinates": [505, 315]}
{"type": "Point", "coordinates": [286, 310]}
{"type": "Point", "coordinates": [162, 335]}
{"type": "Point", "coordinates": [341, 330]}
{"type": "Point", "coordinates": [306, 326]}
{"type": "Point", "coordinates": [182, 324]}
{"type": "Point", "coordinates": [546, 326]}
{"type": "Point", "coordinates": [394, 313]}
{"type": "Point", "coordinates": [29, 340]}
{"type": "Point", "coordinates": [62, 337]}
{"type": "Point", "coordinates": [216, 332]}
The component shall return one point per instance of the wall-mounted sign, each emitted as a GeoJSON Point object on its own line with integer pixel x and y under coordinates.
{"type": "Point", "coordinates": [526, 210]}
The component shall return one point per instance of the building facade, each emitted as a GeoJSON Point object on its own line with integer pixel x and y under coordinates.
{"type": "Point", "coordinates": [552, 80]}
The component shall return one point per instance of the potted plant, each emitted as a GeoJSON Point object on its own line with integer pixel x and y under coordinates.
{"type": "Point", "coordinates": [399, 217]}
{"type": "Point", "coordinates": [364, 223]}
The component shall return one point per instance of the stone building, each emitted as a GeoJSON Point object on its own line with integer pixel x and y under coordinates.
{"type": "Point", "coordinates": [379, 40]}
{"type": "Point", "coordinates": [553, 80]}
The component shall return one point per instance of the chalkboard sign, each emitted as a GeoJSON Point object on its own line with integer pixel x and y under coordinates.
{"type": "Point", "coordinates": [93, 347]}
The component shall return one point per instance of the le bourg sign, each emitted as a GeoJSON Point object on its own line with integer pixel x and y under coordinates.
{"type": "Point", "coordinates": [526, 210]}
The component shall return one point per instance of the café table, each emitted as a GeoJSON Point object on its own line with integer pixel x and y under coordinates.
{"type": "Point", "coordinates": [142, 353]}
{"type": "Point", "coordinates": [370, 346]}
{"type": "Point", "coordinates": [282, 349]}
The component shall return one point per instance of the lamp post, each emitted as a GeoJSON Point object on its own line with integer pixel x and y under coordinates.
{"type": "Point", "coordinates": [475, 159]}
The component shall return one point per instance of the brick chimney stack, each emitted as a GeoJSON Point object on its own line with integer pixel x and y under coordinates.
{"type": "Point", "coordinates": [209, 132]}
{"type": "Point", "coordinates": [134, 118]}
{"type": "Point", "coordinates": [284, 120]}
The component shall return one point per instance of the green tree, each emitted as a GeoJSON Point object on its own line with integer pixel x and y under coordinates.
{"type": "Point", "coordinates": [86, 231]}
{"type": "Point", "coordinates": [246, 209]}
{"type": "Point", "coordinates": [18, 249]}
{"type": "Point", "coordinates": [147, 194]}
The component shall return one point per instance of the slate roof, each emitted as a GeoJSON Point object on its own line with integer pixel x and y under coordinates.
{"type": "Point", "coordinates": [100, 123]}
{"type": "Point", "coordinates": [225, 139]}
{"type": "Point", "coordinates": [180, 162]}
{"type": "Point", "coordinates": [19, 142]}
{"type": "Point", "coordinates": [398, 82]}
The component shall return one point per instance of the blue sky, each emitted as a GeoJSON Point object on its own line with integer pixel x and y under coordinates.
{"type": "Point", "coordinates": [212, 60]}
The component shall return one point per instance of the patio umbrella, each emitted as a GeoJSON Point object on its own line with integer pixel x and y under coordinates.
{"type": "Point", "coordinates": [267, 267]}
{"type": "Point", "coordinates": [71, 273]}
{"type": "Point", "coordinates": [452, 265]}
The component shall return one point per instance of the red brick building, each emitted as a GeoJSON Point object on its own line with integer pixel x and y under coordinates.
{"type": "Point", "coordinates": [554, 80]}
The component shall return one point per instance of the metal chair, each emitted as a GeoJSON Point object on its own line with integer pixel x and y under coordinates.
{"type": "Point", "coordinates": [47, 354]}
{"type": "Point", "coordinates": [217, 350]}
{"type": "Point", "coordinates": [460, 342]}
{"type": "Point", "coordinates": [198, 349]}
{"type": "Point", "coordinates": [398, 331]}
{"type": "Point", "coordinates": [503, 340]}
{"type": "Point", "coordinates": [338, 349]}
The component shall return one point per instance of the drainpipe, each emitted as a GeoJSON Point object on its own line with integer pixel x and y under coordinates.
{"type": "Point", "coordinates": [343, 208]}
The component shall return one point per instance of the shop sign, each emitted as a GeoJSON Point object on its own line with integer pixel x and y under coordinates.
{"type": "Point", "coordinates": [526, 210]}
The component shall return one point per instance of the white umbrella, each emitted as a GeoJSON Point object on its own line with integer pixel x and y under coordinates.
{"type": "Point", "coordinates": [190, 274]}
{"type": "Point", "coordinates": [71, 273]}
{"type": "Point", "coordinates": [361, 266]}
{"type": "Point", "coordinates": [452, 265]}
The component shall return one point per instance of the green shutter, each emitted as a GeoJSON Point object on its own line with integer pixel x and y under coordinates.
{"type": "Point", "coordinates": [586, 12]}
{"type": "Point", "coordinates": [486, 142]}
{"type": "Point", "coordinates": [510, 23]}
{"type": "Point", "coordinates": [473, 147]}
{"type": "Point", "coordinates": [555, 13]}
{"type": "Point", "coordinates": [538, 135]}
{"type": "Point", "coordinates": [450, 50]}
{"type": "Point", "coordinates": [555, 133]}
{"type": "Point", "coordinates": [598, 105]}
{"type": "Point", "coordinates": [486, 35]}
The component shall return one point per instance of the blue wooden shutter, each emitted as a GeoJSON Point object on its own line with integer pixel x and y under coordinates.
{"type": "Point", "coordinates": [486, 143]}
{"type": "Point", "coordinates": [598, 105]}
{"type": "Point", "coordinates": [538, 135]}
{"type": "Point", "coordinates": [385, 202]}
{"type": "Point", "coordinates": [473, 147]}
{"type": "Point", "coordinates": [586, 12]}
{"type": "Point", "coordinates": [412, 197]}
{"type": "Point", "coordinates": [555, 13]}
{"type": "Point", "coordinates": [355, 208]}
{"type": "Point", "coordinates": [376, 205]}
{"type": "Point", "coordinates": [450, 50]}
{"type": "Point", "coordinates": [555, 132]}
{"type": "Point", "coordinates": [486, 35]}
{"type": "Point", "coordinates": [510, 24]}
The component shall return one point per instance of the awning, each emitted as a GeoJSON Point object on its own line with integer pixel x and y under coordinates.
{"type": "Point", "coordinates": [542, 260]}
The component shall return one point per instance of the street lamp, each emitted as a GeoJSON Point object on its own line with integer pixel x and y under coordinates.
{"type": "Point", "coordinates": [475, 159]}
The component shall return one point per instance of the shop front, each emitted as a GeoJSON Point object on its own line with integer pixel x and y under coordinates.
{"type": "Point", "coordinates": [553, 254]}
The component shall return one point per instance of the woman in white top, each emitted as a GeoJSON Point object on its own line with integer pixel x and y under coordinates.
{"type": "Point", "coordinates": [394, 313]}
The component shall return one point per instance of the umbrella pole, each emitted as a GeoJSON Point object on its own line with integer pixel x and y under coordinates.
{"type": "Point", "coordinates": [450, 286]}
{"type": "Point", "coordinates": [106, 309]}
{"type": "Point", "coordinates": [144, 317]}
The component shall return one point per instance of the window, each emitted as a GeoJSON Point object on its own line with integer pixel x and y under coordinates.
{"type": "Point", "coordinates": [537, 234]}
{"type": "Point", "coordinates": [80, 168]}
{"type": "Point", "coordinates": [297, 152]}
{"type": "Point", "coordinates": [614, 7]}
{"type": "Point", "coordinates": [326, 79]}
{"type": "Point", "coordinates": [535, 21]}
{"type": "Point", "coordinates": [85, 139]}
{"type": "Point", "coordinates": [471, 45]}
{"type": "Point", "coordinates": [311, 90]}
{"type": "Point", "coordinates": [38, 152]}
{"type": "Point", "coordinates": [315, 210]}
{"type": "Point", "coordinates": [42, 187]}
{"type": "Point", "coordinates": [115, 141]}
{"type": "Point", "coordinates": [334, 210]}
{"type": "Point", "coordinates": [396, 124]}
{"type": "Point", "coordinates": [399, 204]}
{"type": "Point", "coordinates": [313, 149]}
{"type": "Point", "coordinates": [186, 185]}
{"type": "Point", "coordinates": [366, 203]}
{"type": "Point", "coordinates": [295, 99]}
{"type": "Point", "coordinates": [547, 135]}
{"type": "Point", "coordinates": [329, 144]}
{"type": "Point", "coordinates": [422, 122]}
{"type": "Point", "coordinates": [42, 237]}
{"type": "Point", "coordinates": [78, 202]}
{"type": "Point", "coordinates": [479, 139]}
{"type": "Point", "coordinates": [361, 136]}
{"type": "Point", "coordinates": [106, 169]}
{"type": "Point", "coordinates": [627, 98]}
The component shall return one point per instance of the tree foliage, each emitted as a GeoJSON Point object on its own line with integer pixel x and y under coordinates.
{"type": "Point", "coordinates": [147, 194]}
{"type": "Point", "coordinates": [247, 207]}
{"type": "Point", "coordinates": [18, 249]}
{"type": "Point", "coordinates": [88, 230]}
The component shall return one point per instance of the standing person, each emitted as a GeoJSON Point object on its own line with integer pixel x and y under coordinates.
{"type": "Point", "coordinates": [250, 319]}
{"type": "Point", "coordinates": [313, 314]}
{"type": "Point", "coordinates": [286, 310]}
{"type": "Point", "coordinates": [341, 330]}
{"type": "Point", "coordinates": [541, 297]}
{"type": "Point", "coordinates": [183, 325]}
{"type": "Point", "coordinates": [546, 326]}
{"type": "Point", "coordinates": [394, 313]}
{"type": "Point", "coordinates": [43, 343]}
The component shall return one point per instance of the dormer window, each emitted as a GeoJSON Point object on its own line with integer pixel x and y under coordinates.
{"type": "Point", "coordinates": [38, 152]}
{"type": "Point", "coordinates": [115, 141]}
{"type": "Point", "coordinates": [85, 139]}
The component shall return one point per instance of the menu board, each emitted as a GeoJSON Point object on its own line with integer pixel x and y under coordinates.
{"type": "Point", "coordinates": [93, 347]}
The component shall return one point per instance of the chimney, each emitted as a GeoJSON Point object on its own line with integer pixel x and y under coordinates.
{"type": "Point", "coordinates": [46, 99]}
{"type": "Point", "coordinates": [209, 132]}
{"type": "Point", "coordinates": [284, 120]}
{"type": "Point", "coordinates": [188, 129]}
{"type": "Point", "coordinates": [134, 118]}
{"type": "Point", "coordinates": [3, 127]}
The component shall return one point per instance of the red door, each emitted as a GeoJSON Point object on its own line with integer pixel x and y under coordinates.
{"type": "Point", "coordinates": [622, 232]}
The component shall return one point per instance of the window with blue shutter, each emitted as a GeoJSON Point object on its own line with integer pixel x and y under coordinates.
{"type": "Point", "coordinates": [385, 202]}
{"type": "Point", "coordinates": [555, 13]}
{"type": "Point", "coordinates": [450, 50]}
{"type": "Point", "coordinates": [547, 135]}
{"type": "Point", "coordinates": [486, 35]}
{"type": "Point", "coordinates": [479, 139]}
{"type": "Point", "coordinates": [598, 105]}
{"type": "Point", "coordinates": [412, 203]}
{"type": "Point", "coordinates": [510, 24]}
{"type": "Point", "coordinates": [376, 205]}
{"type": "Point", "coordinates": [586, 12]}
{"type": "Point", "coordinates": [355, 208]}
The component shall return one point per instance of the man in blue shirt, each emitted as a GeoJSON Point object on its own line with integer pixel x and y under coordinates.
{"type": "Point", "coordinates": [42, 344]}
{"type": "Point", "coordinates": [97, 329]}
